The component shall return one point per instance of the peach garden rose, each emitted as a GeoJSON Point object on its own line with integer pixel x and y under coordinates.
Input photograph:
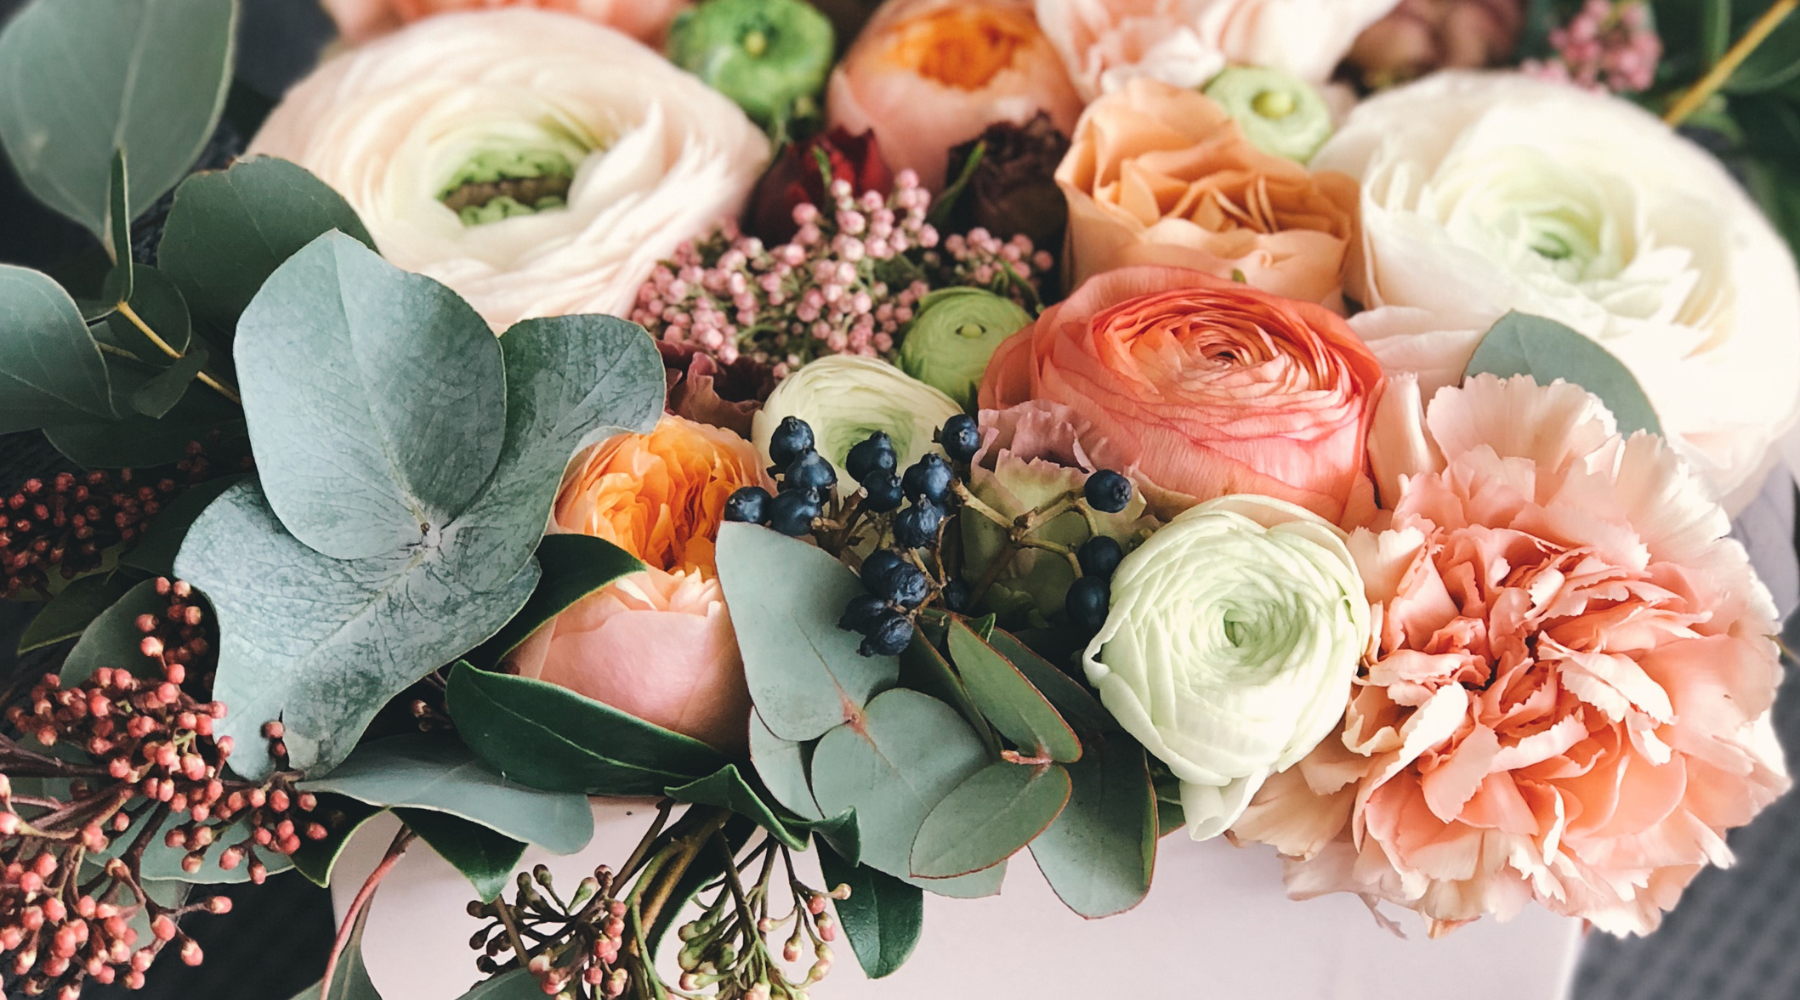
{"type": "Point", "coordinates": [645, 20]}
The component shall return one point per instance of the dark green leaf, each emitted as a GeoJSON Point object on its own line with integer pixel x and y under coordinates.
{"type": "Point", "coordinates": [1010, 702]}
{"type": "Point", "coordinates": [882, 918]}
{"type": "Point", "coordinates": [436, 772]}
{"type": "Point", "coordinates": [375, 397]}
{"type": "Point", "coordinates": [924, 668]}
{"type": "Point", "coordinates": [1100, 853]}
{"type": "Point", "coordinates": [350, 979]}
{"type": "Point", "coordinates": [72, 610]}
{"type": "Point", "coordinates": [519, 984]}
{"type": "Point", "coordinates": [1078, 707]}
{"type": "Point", "coordinates": [841, 833]}
{"type": "Point", "coordinates": [1775, 61]}
{"type": "Point", "coordinates": [156, 301]}
{"type": "Point", "coordinates": [51, 370]}
{"type": "Point", "coordinates": [484, 857]}
{"type": "Point", "coordinates": [137, 441]}
{"type": "Point", "coordinates": [550, 737]}
{"type": "Point", "coordinates": [229, 230]}
{"type": "Point", "coordinates": [988, 818]}
{"type": "Point", "coordinates": [573, 566]}
{"type": "Point", "coordinates": [727, 789]}
{"type": "Point", "coordinates": [113, 637]}
{"type": "Point", "coordinates": [342, 816]}
{"type": "Point", "coordinates": [155, 552]}
{"type": "Point", "coordinates": [81, 78]}
{"type": "Point", "coordinates": [781, 764]}
{"type": "Point", "coordinates": [159, 395]}
{"type": "Point", "coordinates": [785, 597]}
{"type": "Point", "coordinates": [1519, 344]}
{"type": "Point", "coordinates": [118, 222]}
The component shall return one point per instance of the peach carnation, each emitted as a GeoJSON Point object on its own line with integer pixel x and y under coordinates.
{"type": "Point", "coordinates": [1567, 693]}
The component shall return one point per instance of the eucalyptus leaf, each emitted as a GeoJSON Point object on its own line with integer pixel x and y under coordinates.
{"type": "Point", "coordinates": [342, 816]}
{"type": "Point", "coordinates": [118, 221]}
{"type": "Point", "coordinates": [1076, 704]}
{"type": "Point", "coordinates": [781, 764]}
{"type": "Point", "coordinates": [81, 78]}
{"type": "Point", "coordinates": [435, 771]}
{"type": "Point", "coordinates": [159, 395]}
{"type": "Point", "coordinates": [882, 918]}
{"type": "Point", "coordinates": [376, 399]}
{"type": "Point", "coordinates": [155, 551]}
{"type": "Point", "coordinates": [573, 566]}
{"type": "Point", "coordinates": [70, 612]}
{"type": "Point", "coordinates": [1519, 344]}
{"type": "Point", "coordinates": [923, 667]}
{"type": "Point", "coordinates": [112, 638]}
{"type": "Point", "coordinates": [550, 737]}
{"type": "Point", "coordinates": [484, 857]}
{"type": "Point", "coordinates": [1008, 700]}
{"type": "Point", "coordinates": [155, 300]}
{"type": "Point", "coordinates": [727, 789]}
{"type": "Point", "coordinates": [989, 818]}
{"type": "Point", "coordinates": [1100, 853]}
{"type": "Point", "coordinates": [51, 370]}
{"type": "Point", "coordinates": [785, 598]}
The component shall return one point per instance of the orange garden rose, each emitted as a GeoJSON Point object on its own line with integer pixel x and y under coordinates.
{"type": "Point", "coordinates": [1159, 174]}
{"type": "Point", "coordinates": [657, 644]}
{"type": "Point", "coordinates": [646, 20]}
{"type": "Point", "coordinates": [926, 75]}
{"type": "Point", "coordinates": [1199, 386]}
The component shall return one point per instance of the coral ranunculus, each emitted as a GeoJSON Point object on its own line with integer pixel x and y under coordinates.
{"type": "Point", "coordinates": [644, 20]}
{"type": "Point", "coordinates": [1567, 696]}
{"type": "Point", "coordinates": [1162, 175]}
{"type": "Point", "coordinates": [926, 75]}
{"type": "Point", "coordinates": [1200, 387]}
{"type": "Point", "coordinates": [657, 644]}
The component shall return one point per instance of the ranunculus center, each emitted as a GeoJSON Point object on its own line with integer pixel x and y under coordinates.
{"type": "Point", "coordinates": [962, 48]}
{"type": "Point", "coordinates": [1535, 207]}
{"type": "Point", "coordinates": [501, 183]}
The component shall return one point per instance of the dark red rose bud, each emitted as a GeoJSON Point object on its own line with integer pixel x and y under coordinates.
{"type": "Point", "coordinates": [1012, 189]}
{"type": "Point", "coordinates": [797, 177]}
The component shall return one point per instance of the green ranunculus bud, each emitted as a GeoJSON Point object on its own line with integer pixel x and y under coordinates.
{"type": "Point", "coordinates": [1278, 113]}
{"type": "Point", "coordinates": [956, 330]}
{"type": "Point", "coordinates": [770, 56]}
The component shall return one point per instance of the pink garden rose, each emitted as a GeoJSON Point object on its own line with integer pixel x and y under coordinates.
{"type": "Point", "coordinates": [1567, 693]}
{"type": "Point", "coordinates": [360, 20]}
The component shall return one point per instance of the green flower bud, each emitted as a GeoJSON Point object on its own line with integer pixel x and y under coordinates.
{"type": "Point", "coordinates": [1278, 113]}
{"type": "Point", "coordinates": [770, 56]}
{"type": "Point", "coordinates": [845, 398]}
{"type": "Point", "coordinates": [956, 330]}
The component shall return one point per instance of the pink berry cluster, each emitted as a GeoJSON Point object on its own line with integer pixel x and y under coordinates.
{"type": "Point", "coordinates": [847, 283]}
{"type": "Point", "coordinates": [572, 947]}
{"type": "Point", "coordinates": [1610, 45]}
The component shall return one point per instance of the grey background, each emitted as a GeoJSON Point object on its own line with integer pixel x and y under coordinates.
{"type": "Point", "coordinates": [1736, 935]}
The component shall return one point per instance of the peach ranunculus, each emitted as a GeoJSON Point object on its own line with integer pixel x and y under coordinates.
{"type": "Point", "coordinates": [1159, 174]}
{"type": "Point", "coordinates": [1185, 42]}
{"type": "Point", "coordinates": [657, 644]}
{"type": "Point", "coordinates": [1200, 387]}
{"type": "Point", "coordinates": [927, 75]}
{"type": "Point", "coordinates": [1567, 694]}
{"type": "Point", "coordinates": [645, 20]}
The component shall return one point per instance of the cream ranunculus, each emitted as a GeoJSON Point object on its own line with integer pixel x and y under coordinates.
{"type": "Point", "coordinates": [1484, 193]}
{"type": "Point", "coordinates": [846, 398]}
{"type": "Point", "coordinates": [575, 157]}
{"type": "Point", "coordinates": [1229, 650]}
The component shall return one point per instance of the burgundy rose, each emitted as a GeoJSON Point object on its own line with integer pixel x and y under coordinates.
{"type": "Point", "coordinates": [796, 178]}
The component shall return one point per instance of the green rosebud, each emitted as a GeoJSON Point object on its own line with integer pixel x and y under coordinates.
{"type": "Point", "coordinates": [770, 56]}
{"type": "Point", "coordinates": [953, 334]}
{"type": "Point", "coordinates": [1278, 113]}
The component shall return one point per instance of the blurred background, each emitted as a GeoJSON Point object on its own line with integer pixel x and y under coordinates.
{"type": "Point", "coordinates": [1736, 935]}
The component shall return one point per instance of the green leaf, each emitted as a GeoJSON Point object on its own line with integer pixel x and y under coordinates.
{"type": "Point", "coordinates": [1519, 344]}
{"type": "Point", "coordinates": [70, 612]}
{"type": "Point", "coordinates": [342, 816]}
{"type": "Point", "coordinates": [162, 863]}
{"type": "Point", "coordinates": [436, 772]}
{"type": "Point", "coordinates": [350, 979]}
{"type": "Point", "coordinates": [51, 370]}
{"type": "Point", "coordinates": [1100, 853]}
{"type": "Point", "coordinates": [159, 304]}
{"type": "Point", "coordinates": [1077, 707]}
{"type": "Point", "coordinates": [137, 441]}
{"type": "Point", "coordinates": [112, 639]}
{"type": "Point", "coordinates": [228, 230]}
{"type": "Point", "coordinates": [81, 78]}
{"type": "Point", "coordinates": [375, 397]}
{"type": "Point", "coordinates": [841, 833]}
{"type": "Point", "coordinates": [882, 918]}
{"type": "Point", "coordinates": [550, 737]}
{"type": "Point", "coordinates": [893, 767]}
{"type": "Point", "coordinates": [155, 551]}
{"type": "Point", "coordinates": [781, 764]}
{"type": "Point", "coordinates": [785, 597]}
{"type": "Point", "coordinates": [484, 857]}
{"type": "Point", "coordinates": [1774, 62]}
{"type": "Point", "coordinates": [573, 566]}
{"type": "Point", "coordinates": [118, 219]}
{"type": "Point", "coordinates": [1009, 701]}
{"type": "Point", "coordinates": [924, 668]}
{"type": "Point", "coordinates": [988, 818]}
{"type": "Point", "coordinates": [159, 395]}
{"type": "Point", "coordinates": [519, 984]}
{"type": "Point", "coordinates": [727, 789]}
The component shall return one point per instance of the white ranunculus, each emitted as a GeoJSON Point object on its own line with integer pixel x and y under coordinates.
{"type": "Point", "coordinates": [1488, 192]}
{"type": "Point", "coordinates": [652, 155]}
{"type": "Point", "coordinates": [845, 398]}
{"type": "Point", "coordinates": [1229, 650]}
{"type": "Point", "coordinates": [1184, 42]}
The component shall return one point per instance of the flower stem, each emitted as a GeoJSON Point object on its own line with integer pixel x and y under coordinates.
{"type": "Point", "coordinates": [1715, 78]}
{"type": "Point", "coordinates": [204, 377]}
{"type": "Point", "coordinates": [353, 915]}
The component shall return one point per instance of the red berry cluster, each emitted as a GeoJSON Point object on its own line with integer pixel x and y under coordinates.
{"type": "Point", "coordinates": [572, 948]}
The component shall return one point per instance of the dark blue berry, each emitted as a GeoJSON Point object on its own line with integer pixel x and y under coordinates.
{"type": "Point", "coordinates": [877, 567]}
{"type": "Point", "coordinates": [961, 437]}
{"type": "Point", "coordinates": [792, 513]}
{"type": "Point", "coordinates": [1087, 604]}
{"type": "Point", "coordinates": [883, 492]}
{"type": "Point", "coordinates": [868, 457]}
{"type": "Point", "coordinates": [957, 595]}
{"type": "Point", "coordinates": [792, 438]}
{"type": "Point", "coordinates": [916, 527]}
{"type": "Point", "coordinates": [1107, 491]}
{"type": "Point", "coordinates": [749, 505]}
{"type": "Point", "coordinates": [861, 612]}
{"type": "Point", "coordinates": [888, 636]}
{"type": "Point", "coordinates": [929, 478]}
{"type": "Point", "coordinates": [908, 586]}
{"type": "Point", "coordinates": [1099, 556]}
{"type": "Point", "coordinates": [810, 472]}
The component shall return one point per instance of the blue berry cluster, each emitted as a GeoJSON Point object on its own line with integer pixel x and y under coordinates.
{"type": "Point", "coordinates": [805, 483]}
{"type": "Point", "coordinates": [1090, 596]}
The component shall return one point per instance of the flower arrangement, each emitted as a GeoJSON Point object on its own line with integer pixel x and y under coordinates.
{"type": "Point", "coordinates": [999, 433]}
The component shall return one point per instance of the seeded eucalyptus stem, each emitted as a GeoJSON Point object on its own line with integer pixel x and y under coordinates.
{"type": "Point", "coordinates": [1697, 95]}
{"type": "Point", "coordinates": [205, 378]}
